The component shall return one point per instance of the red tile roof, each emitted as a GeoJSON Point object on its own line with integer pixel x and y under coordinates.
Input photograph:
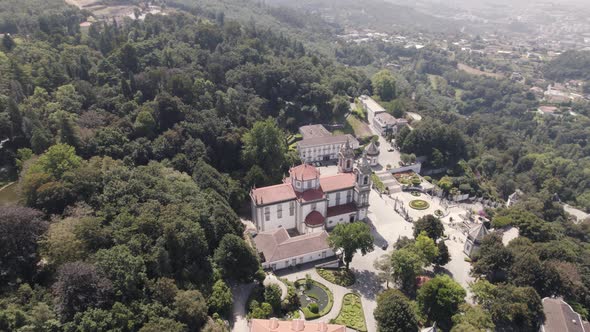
{"type": "Point", "coordinates": [314, 219]}
{"type": "Point", "coordinates": [337, 182]}
{"type": "Point", "coordinates": [273, 194]}
{"type": "Point", "coordinates": [296, 325]}
{"type": "Point", "coordinates": [304, 172]}
{"type": "Point", "coordinates": [311, 195]}
{"type": "Point", "coordinates": [341, 209]}
{"type": "Point", "coordinates": [276, 245]}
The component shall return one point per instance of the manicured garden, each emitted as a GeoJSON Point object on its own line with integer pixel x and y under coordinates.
{"type": "Point", "coordinates": [438, 213]}
{"type": "Point", "coordinates": [351, 315]}
{"type": "Point", "coordinates": [419, 204]}
{"type": "Point", "coordinates": [315, 298]}
{"type": "Point", "coordinates": [408, 178]}
{"type": "Point", "coordinates": [340, 277]}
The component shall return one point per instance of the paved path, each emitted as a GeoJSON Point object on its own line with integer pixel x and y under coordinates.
{"type": "Point", "coordinates": [240, 293]}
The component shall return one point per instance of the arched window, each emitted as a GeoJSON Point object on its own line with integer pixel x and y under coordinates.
{"type": "Point", "coordinates": [366, 180]}
{"type": "Point", "coordinates": [348, 163]}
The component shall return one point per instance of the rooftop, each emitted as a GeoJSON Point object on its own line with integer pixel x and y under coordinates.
{"type": "Point", "coordinates": [325, 140]}
{"type": "Point", "coordinates": [386, 119]}
{"type": "Point", "coordinates": [296, 325]}
{"type": "Point", "coordinates": [277, 245]}
{"type": "Point", "coordinates": [372, 104]}
{"type": "Point", "coordinates": [304, 172]}
{"type": "Point", "coordinates": [273, 194]}
{"type": "Point", "coordinates": [559, 316]}
{"type": "Point", "coordinates": [477, 232]}
{"type": "Point", "coordinates": [337, 182]}
{"type": "Point", "coordinates": [313, 131]}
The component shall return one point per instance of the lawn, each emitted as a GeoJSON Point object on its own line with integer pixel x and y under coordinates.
{"type": "Point", "coordinates": [419, 204]}
{"type": "Point", "coordinates": [341, 277]}
{"type": "Point", "coordinates": [352, 314]}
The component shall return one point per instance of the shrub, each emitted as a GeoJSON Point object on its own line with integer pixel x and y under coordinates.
{"type": "Point", "coordinates": [308, 281]}
{"type": "Point", "coordinates": [340, 277]}
{"type": "Point", "coordinates": [314, 308]}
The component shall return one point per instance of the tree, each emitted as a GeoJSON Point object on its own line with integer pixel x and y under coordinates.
{"type": "Point", "coordinates": [425, 247]}
{"type": "Point", "coordinates": [384, 266]}
{"type": "Point", "coordinates": [220, 301]}
{"type": "Point", "coordinates": [126, 271]}
{"type": "Point", "coordinates": [439, 299]}
{"type": "Point", "coordinates": [20, 230]}
{"type": "Point", "coordinates": [494, 259]}
{"type": "Point", "coordinates": [265, 146]}
{"type": "Point", "coordinates": [61, 245]}
{"type": "Point", "coordinates": [58, 159]}
{"type": "Point", "coordinates": [350, 238]}
{"type": "Point", "coordinates": [384, 85]}
{"type": "Point", "coordinates": [394, 313]}
{"type": "Point", "coordinates": [443, 254]}
{"type": "Point", "coordinates": [164, 290]}
{"type": "Point", "coordinates": [236, 258]}
{"type": "Point", "coordinates": [431, 225]}
{"type": "Point", "coordinates": [472, 318]}
{"type": "Point", "coordinates": [272, 296]}
{"type": "Point", "coordinates": [163, 324]}
{"type": "Point", "coordinates": [78, 287]}
{"type": "Point", "coordinates": [406, 265]}
{"type": "Point", "coordinates": [7, 42]}
{"type": "Point", "coordinates": [191, 309]}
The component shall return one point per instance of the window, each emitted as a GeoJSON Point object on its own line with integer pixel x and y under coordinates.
{"type": "Point", "coordinates": [348, 164]}
{"type": "Point", "coordinates": [348, 196]}
{"type": "Point", "coordinates": [298, 184]}
{"type": "Point", "coordinates": [291, 208]}
{"type": "Point", "coordinates": [273, 266]}
{"type": "Point", "coordinates": [267, 213]}
{"type": "Point", "coordinates": [337, 198]}
{"type": "Point", "coordinates": [280, 211]}
{"type": "Point", "coordinates": [366, 180]}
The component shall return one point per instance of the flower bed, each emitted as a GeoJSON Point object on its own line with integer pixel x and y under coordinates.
{"type": "Point", "coordinates": [340, 277]}
{"type": "Point", "coordinates": [415, 193]}
{"type": "Point", "coordinates": [351, 315]}
{"type": "Point", "coordinates": [419, 204]}
{"type": "Point", "coordinates": [438, 213]}
{"type": "Point", "coordinates": [316, 301]}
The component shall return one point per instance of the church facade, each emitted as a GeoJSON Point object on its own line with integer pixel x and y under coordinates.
{"type": "Point", "coordinates": [309, 202]}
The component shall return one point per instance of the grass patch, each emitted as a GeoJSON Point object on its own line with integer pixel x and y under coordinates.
{"type": "Point", "coordinates": [351, 315]}
{"type": "Point", "coordinates": [340, 277]}
{"type": "Point", "coordinates": [306, 312]}
{"type": "Point", "coordinates": [419, 204]}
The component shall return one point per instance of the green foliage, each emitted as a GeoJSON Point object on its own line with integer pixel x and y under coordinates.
{"type": "Point", "coordinates": [570, 65]}
{"type": "Point", "coordinates": [126, 271]}
{"type": "Point", "coordinates": [220, 301]}
{"type": "Point", "coordinates": [406, 265]}
{"type": "Point", "coordinates": [431, 225]}
{"type": "Point", "coordinates": [191, 308]}
{"type": "Point", "coordinates": [494, 259]}
{"type": "Point", "coordinates": [236, 258]}
{"type": "Point", "coordinates": [340, 277]}
{"type": "Point", "coordinates": [350, 238]}
{"type": "Point", "coordinates": [394, 312]}
{"type": "Point", "coordinates": [439, 299]}
{"type": "Point", "coordinates": [384, 85]}
{"type": "Point", "coordinates": [351, 313]}
{"type": "Point", "coordinates": [472, 318]}
{"type": "Point", "coordinates": [265, 146]}
{"type": "Point", "coordinates": [272, 296]}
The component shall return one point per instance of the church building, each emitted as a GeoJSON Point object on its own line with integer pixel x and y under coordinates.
{"type": "Point", "coordinates": [292, 218]}
{"type": "Point", "coordinates": [309, 202]}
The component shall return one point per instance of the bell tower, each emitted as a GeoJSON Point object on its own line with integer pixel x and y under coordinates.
{"type": "Point", "coordinates": [362, 187]}
{"type": "Point", "coordinates": [346, 158]}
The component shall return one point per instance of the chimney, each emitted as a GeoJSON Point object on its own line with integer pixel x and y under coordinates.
{"type": "Point", "coordinates": [323, 327]}
{"type": "Point", "coordinates": [273, 323]}
{"type": "Point", "coordinates": [297, 325]}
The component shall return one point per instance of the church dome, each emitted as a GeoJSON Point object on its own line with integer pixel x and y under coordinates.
{"type": "Point", "coordinates": [304, 172]}
{"type": "Point", "coordinates": [314, 219]}
{"type": "Point", "coordinates": [372, 149]}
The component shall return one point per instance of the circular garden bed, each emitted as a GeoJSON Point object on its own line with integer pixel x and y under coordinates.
{"type": "Point", "coordinates": [415, 193]}
{"type": "Point", "coordinates": [438, 213]}
{"type": "Point", "coordinates": [316, 299]}
{"type": "Point", "coordinates": [419, 204]}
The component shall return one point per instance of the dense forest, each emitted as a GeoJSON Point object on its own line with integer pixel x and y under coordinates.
{"type": "Point", "coordinates": [571, 65]}
{"type": "Point", "coordinates": [135, 142]}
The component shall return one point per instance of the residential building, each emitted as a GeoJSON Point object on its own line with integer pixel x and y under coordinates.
{"type": "Point", "coordinates": [296, 325]}
{"type": "Point", "coordinates": [278, 250]}
{"type": "Point", "coordinates": [383, 122]}
{"type": "Point", "coordinates": [319, 144]}
{"type": "Point", "coordinates": [560, 317]}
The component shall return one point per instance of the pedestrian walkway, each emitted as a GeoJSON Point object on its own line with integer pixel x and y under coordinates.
{"type": "Point", "coordinates": [271, 279]}
{"type": "Point", "coordinates": [388, 181]}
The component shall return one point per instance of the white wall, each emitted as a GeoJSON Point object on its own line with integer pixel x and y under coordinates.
{"type": "Point", "coordinates": [343, 194]}
{"type": "Point", "coordinates": [287, 221]}
{"type": "Point", "coordinates": [332, 222]}
{"type": "Point", "coordinates": [302, 259]}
